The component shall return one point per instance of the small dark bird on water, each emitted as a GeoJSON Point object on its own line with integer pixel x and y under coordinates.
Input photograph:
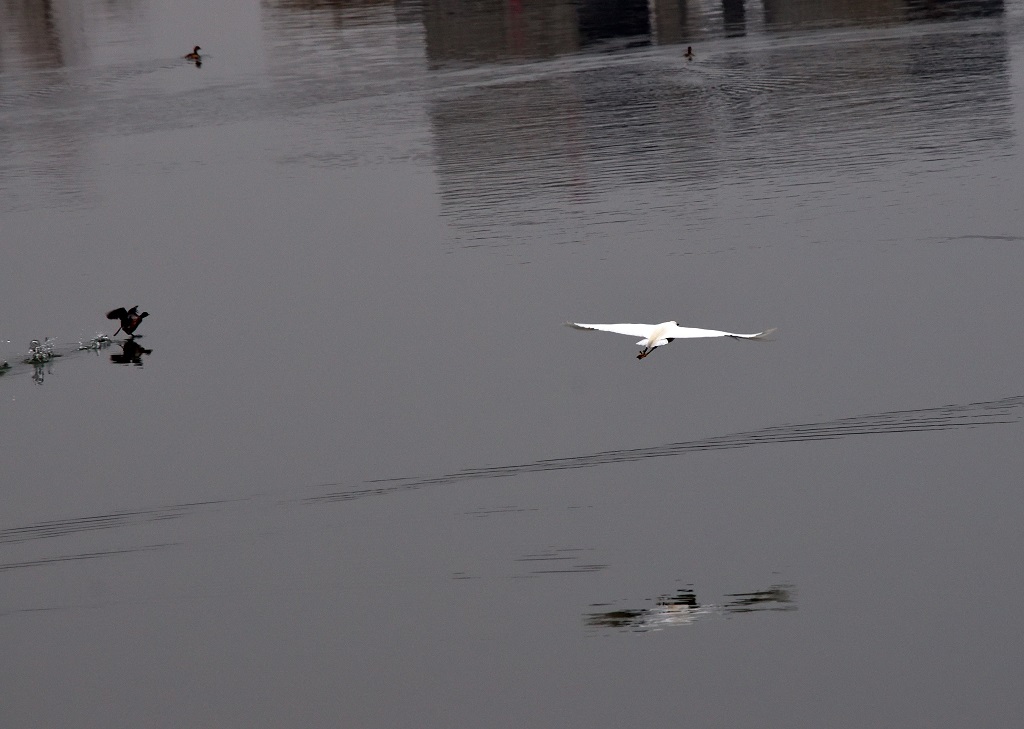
{"type": "Point", "coordinates": [130, 319]}
{"type": "Point", "coordinates": [194, 55]}
{"type": "Point", "coordinates": [689, 53]}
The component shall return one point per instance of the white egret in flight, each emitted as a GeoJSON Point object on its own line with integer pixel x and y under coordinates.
{"type": "Point", "coordinates": [655, 335]}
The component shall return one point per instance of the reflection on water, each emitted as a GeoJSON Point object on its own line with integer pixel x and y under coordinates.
{"type": "Point", "coordinates": [46, 37]}
{"type": "Point", "coordinates": [51, 33]}
{"type": "Point", "coordinates": [334, 48]}
{"type": "Point", "coordinates": [949, 417]}
{"type": "Point", "coordinates": [131, 353]}
{"type": "Point", "coordinates": [507, 146]}
{"type": "Point", "coordinates": [682, 608]}
{"type": "Point", "coordinates": [548, 561]}
{"type": "Point", "coordinates": [493, 30]}
{"type": "Point", "coordinates": [42, 34]}
{"type": "Point", "coordinates": [541, 156]}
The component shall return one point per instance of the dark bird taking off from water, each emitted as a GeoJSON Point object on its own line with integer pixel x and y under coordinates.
{"type": "Point", "coordinates": [130, 319]}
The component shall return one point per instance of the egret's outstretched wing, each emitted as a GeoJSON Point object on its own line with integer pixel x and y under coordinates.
{"type": "Point", "coordinates": [633, 330]}
{"type": "Point", "coordinates": [690, 333]}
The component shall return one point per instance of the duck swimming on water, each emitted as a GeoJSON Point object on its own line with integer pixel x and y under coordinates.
{"type": "Point", "coordinates": [194, 55]}
{"type": "Point", "coordinates": [130, 319]}
{"type": "Point", "coordinates": [689, 55]}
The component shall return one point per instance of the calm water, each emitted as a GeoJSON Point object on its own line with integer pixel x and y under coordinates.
{"type": "Point", "coordinates": [356, 473]}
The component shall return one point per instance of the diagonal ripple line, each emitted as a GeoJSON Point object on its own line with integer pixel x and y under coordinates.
{"type": "Point", "coordinates": [947, 417]}
{"type": "Point", "coordinates": [76, 525]}
{"type": "Point", "coordinates": [86, 555]}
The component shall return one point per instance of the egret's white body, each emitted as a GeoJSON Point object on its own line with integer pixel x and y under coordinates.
{"type": "Point", "coordinates": [656, 335]}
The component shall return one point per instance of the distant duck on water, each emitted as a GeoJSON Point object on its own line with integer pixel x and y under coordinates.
{"type": "Point", "coordinates": [130, 319]}
{"type": "Point", "coordinates": [689, 55]}
{"type": "Point", "coordinates": [194, 55]}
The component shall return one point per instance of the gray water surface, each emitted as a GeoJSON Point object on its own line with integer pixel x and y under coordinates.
{"type": "Point", "coordinates": [355, 471]}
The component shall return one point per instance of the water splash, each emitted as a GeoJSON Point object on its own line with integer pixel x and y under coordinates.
{"type": "Point", "coordinates": [100, 341]}
{"type": "Point", "coordinates": [41, 352]}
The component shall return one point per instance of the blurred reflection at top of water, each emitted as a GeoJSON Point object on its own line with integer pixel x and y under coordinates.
{"type": "Point", "coordinates": [787, 117]}
{"type": "Point", "coordinates": [41, 35]}
{"type": "Point", "coordinates": [492, 30]}
{"type": "Point", "coordinates": [52, 33]}
{"type": "Point", "coordinates": [538, 148]}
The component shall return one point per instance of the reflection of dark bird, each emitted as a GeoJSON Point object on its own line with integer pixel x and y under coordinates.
{"type": "Point", "coordinates": [194, 55]}
{"type": "Point", "coordinates": [682, 608]}
{"type": "Point", "coordinates": [130, 319]}
{"type": "Point", "coordinates": [776, 597]}
{"type": "Point", "coordinates": [131, 353]}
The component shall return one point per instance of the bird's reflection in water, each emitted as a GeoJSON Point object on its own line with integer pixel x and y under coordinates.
{"type": "Point", "coordinates": [776, 597]}
{"type": "Point", "coordinates": [682, 608]}
{"type": "Point", "coordinates": [39, 371]}
{"type": "Point", "coordinates": [131, 353]}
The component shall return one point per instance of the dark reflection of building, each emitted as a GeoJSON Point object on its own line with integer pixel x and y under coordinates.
{"type": "Point", "coordinates": [29, 28]}
{"type": "Point", "coordinates": [492, 30]}
{"type": "Point", "coordinates": [682, 608]}
{"type": "Point", "coordinates": [734, 18]}
{"type": "Point", "coordinates": [952, 9]}
{"type": "Point", "coordinates": [468, 31]}
{"type": "Point", "coordinates": [40, 142]}
{"type": "Point", "coordinates": [671, 21]}
{"type": "Point", "coordinates": [320, 20]}
{"type": "Point", "coordinates": [605, 19]}
{"type": "Point", "coordinates": [41, 34]}
{"type": "Point", "coordinates": [329, 13]}
{"type": "Point", "coordinates": [322, 36]}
